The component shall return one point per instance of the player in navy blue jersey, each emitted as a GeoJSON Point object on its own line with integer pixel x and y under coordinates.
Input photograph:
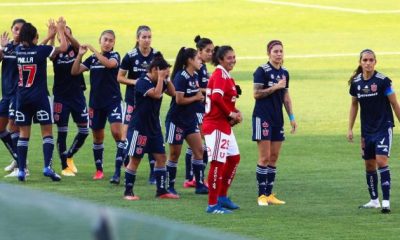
{"type": "Point", "coordinates": [181, 122]}
{"type": "Point", "coordinates": [144, 132]}
{"type": "Point", "coordinates": [135, 64]}
{"type": "Point", "coordinates": [9, 80]}
{"type": "Point", "coordinates": [373, 93]}
{"type": "Point", "coordinates": [32, 94]}
{"type": "Point", "coordinates": [271, 91]}
{"type": "Point", "coordinates": [205, 48]}
{"type": "Point", "coordinates": [68, 99]}
{"type": "Point", "coordinates": [105, 97]}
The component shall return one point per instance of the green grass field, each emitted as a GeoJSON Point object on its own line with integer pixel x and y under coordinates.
{"type": "Point", "coordinates": [320, 175]}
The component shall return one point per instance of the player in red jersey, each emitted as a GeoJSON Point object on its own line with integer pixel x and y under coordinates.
{"type": "Point", "coordinates": [221, 115]}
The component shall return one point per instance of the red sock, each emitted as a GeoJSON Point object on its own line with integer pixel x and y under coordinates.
{"type": "Point", "coordinates": [214, 181]}
{"type": "Point", "coordinates": [232, 162]}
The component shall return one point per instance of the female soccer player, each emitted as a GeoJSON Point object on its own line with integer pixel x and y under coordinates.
{"type": "Point", "coordinates": [373, 92]}
{"type": "Point", "coordinates": [68, 99]}
{"type": "Point", "coordinates": [9, 80]}
{"type": "Point", "coordinates": [144, 133]}
{"type": "Point", "coordinates": [221, 115]}
{"type": "Point", "coordinates": [135, 64]}
{"type": "Point", "coordinates": [105, 96]}
{"type": "Point", "coordinates": [205, 48]}
{"type": "Point", "coordinates": [32, 94]}
{"type": "Point", "coordinates": [271, 91]}
{"type": "Point", "coordinates": [181, 121]}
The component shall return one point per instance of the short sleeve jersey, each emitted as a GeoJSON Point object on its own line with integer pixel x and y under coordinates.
{"type": "Point", "coordinates": [220, 83]}
{"type": "Point", "coordinates": [375, 109]}
{"type": "Point", "coordinates": [32, 67]}
{"type": "Point", "coordinates": [270, 107]}
{"type": "Point", "coordinates": [136, 64]}
{"type": "Point", "coordinates": [66, 85]}
{"type": "Point", "coordinates": [9, 71]}
{"type": "Point", "coordinates": [104, 87]}
{"type": "Point", "coordinates": [184, 115]}
{"type": "Point", "coordinates": [146, 116]}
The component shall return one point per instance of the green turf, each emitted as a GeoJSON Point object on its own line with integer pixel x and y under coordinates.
{"type": "Point", "coordinates": [320, 175]}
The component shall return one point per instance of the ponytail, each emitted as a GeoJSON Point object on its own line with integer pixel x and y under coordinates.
{"type": "Point", "coordinates": [182, 58]}
{"type": "Point", "coordinates": [359, 68]}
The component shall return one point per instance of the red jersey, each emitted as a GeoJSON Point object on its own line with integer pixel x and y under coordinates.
{"type": "Point", "coordinates": [217, 108]}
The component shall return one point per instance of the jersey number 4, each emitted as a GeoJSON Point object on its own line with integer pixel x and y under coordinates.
{"type": "Point", "coordinates": [31, 69]}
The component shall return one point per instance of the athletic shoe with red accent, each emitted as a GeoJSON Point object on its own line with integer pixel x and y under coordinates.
{"type": "Point", "coordinates": [130, 196]}
{"type": "Point", "coordinates": [189, 183]}
{"type": "Point", "coordinates": [98, 175]}
{"type": "Point", "coordinates": [167, 195]}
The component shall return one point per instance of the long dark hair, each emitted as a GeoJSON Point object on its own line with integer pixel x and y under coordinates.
{"type": "Point", "coordinates": [202, 43]}
{"type": "Point", "coordinates": [27, 34]}
{"type": "Point", "coordinates": [219, 53]}
{"type": "Point", "coordinates": [182, 58]}
{"type": "Point", "coordinates": [139, 30]}
{"type": "Point", "coordinates": [158, 62]}
{"type": "Point", "coordinates": [359, 68]}
{"type": "Point", "coordinates": [16, 21]}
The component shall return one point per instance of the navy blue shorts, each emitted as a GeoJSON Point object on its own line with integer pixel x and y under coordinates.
{"type": "Point", "coordinates": [140, 143]}
{"type": "Point", "coordinates": [63, 108]}
{"type": "Point", "coordinates": [200, 117]}
{"type": "Point", "coordinates": [175, 134]}
{"type": "Point", "coordinates": [98, 117]}
{"type": "Point", "coordinates": [5, 107]}
{"type": "Point", "coordinates": [378, 144]}
{"type": "Point", "coordinates": [40, 111]}
{"type": "Point", "coordinates": [128, 113]}
{"type": "Point", "coordinates": [262, 130]}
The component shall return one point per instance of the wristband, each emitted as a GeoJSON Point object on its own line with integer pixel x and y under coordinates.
{"type": "Point", "coordinates": [291, 117]}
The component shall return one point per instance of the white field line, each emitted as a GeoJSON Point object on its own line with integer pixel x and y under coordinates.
{"type": "Point", "coordinates": [328, 8]}
{"type": "Point", "coordinates": [13, 4]}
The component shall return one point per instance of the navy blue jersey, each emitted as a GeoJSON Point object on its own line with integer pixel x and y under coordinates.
{"type": "Point", "coordinates": [184, 115]}
{"type": "Point", "coordinates": [136, 65]}
{"type": "Point", "coordinates": [104, 87]}
{"type": "Point", "coordinates": [203, 81]}
{"type": "Point", "coordinates": [146, 116]}
{"type": "Point", "coordinates": [270, 107]}
{"type": "Point", "coordinates": [32, 66]}
{"type": "Point", "coordinates": [9, 72]}
{"type": "Point", "coordinates": [376, 112]}
{"type": "Point", "coordinates": [65, 84]}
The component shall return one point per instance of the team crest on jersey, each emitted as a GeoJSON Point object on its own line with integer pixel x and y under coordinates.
{"type": "Point", "coordinates": [71, 54]}
{"type": "Point", "coordinates": [272, 76]}
{"type": "Point", "coordinates": [136, 62]}
{"type": "Point", "coordinates": [374, 87]}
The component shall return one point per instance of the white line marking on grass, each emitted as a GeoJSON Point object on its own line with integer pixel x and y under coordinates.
{"type": "Point", "coordinates": [90, 2]}
{"type": "Point", "coordinates": [329, 8]}
{"type": "Point", "coordinates": [328, 55]}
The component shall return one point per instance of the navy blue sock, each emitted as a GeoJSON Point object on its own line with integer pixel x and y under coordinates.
{"type": "Point", "coordinates": [152, 161]}
{"type": "Point", "coordinates": [48, 148]}
{"type": "Point", "coordinates": [188, 165]}
{"type": "Point", "coordinates": [171, 169]}
{"type": "Point", "coordinates": [261, 173]}
{"type": "Point", "coordinates": [119, 156]}
{"type": "Point", "coordinates": [79, 140]}
{"type": "Point", "coordinates": [160, 174]}
{"type": "Point", "coordinates": [98, 149]}
{"type": "Point", "coordinates": [385, 182]}
{"type": "Point", "coordinates": [22, 150]}
{"type": "Point", "coordinates": [372, 183]}
{"type": "Point", "coordinates": [198, 171]}
{"type": "Point", "coordinates": [130, 177]}
{"type": "Point", "coordinates": [6, 138]}
{"type": "Point", "coordinates": [14, 139]}
{"type": "Point", "coordinates": [271, 172]}
{"type": "Point", "coordinates": [62, 145]}
{"type": "Point", "coordinates": [205, 156]}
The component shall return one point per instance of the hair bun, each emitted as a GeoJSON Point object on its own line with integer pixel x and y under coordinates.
{"type": "Point", "coordinates": [197, 39]}
{"type": "Point", "coordinates": [158, 55]}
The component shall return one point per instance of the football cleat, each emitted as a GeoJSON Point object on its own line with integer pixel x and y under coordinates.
{"type": "Point", "coordinates": [67, 172]}
{"type": "Point", "coordinates": [152, 180]}
{"type": "Point", "coordinates": [226, 202]}
{"type": "Point", "coordinates": [201, 189]}
{"type": "Point", "coordinates": [262, 200]}
{"type": "Point", "coordinates": [71, 165]}
{"type": "Point", "coordinates": [130, 196]}
{"type": "Point", "coordinates": [98, 175]}
{"type": "Point", "coordinates": [385, 206]}
{"type": "Point", "coordinates": [167, 195]}
{"type": "Point", "coordinates": [11, 166]}
{"type": "Point", "coordinates": [217, 209]}
{"type": "Point", "coordinates": [21, 176]}
{"type": "Point", "coordinates": [189, 183]}
{"type": "Point", "coordinates": [373, 203]}
{"type": "Point", "coordinates": [115, 179]}
{"type": "Point", "coordinates": [274, 201]}
{"type": "Point", "coordinates": [48, 172]}
{"type": "Point", "coordinates": [14, 173]}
